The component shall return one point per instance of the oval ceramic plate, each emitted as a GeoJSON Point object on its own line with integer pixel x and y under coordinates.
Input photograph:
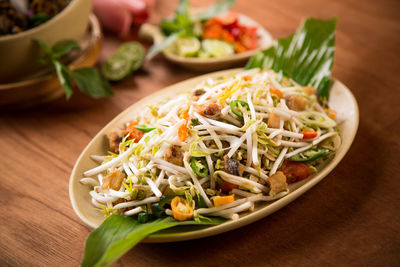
{"type": "Point", "coordinates": [341, 99]}
{"type": "Point", "coordinates": [209, 64]}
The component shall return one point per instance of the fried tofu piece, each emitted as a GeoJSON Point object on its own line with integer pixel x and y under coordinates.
{"type": "Point", "coordinates": [295, 102]}
{"type": "Point", "coordinates": [274, 121]}
{"type": "Point", "coordinates": [277, 183]}
{"type": "Point", "coordinates": [113, 180]}
{"type": "Point", "coordinates": [174, 155]}
{"type": "Point", "coordinates": [114, 138]}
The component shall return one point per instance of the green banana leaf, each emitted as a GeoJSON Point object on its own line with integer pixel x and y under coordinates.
{"type": "Point", "coordinates": [118, 234]}
{"type": "Point", "coordinates": [305, 56]}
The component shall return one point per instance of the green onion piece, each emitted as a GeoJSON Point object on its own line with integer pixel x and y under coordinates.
{"type": "Point", "coordinates": [144, 128]}
{"type": "Point", "coordinates": [310, 155]}
{"type": "Point", "coordinates": [199, 166]}
{"type": "Point", "coordinates": [235, 107]}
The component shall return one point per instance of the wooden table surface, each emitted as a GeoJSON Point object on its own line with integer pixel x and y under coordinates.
{"type": "Point", "coordinates": [351, 218]}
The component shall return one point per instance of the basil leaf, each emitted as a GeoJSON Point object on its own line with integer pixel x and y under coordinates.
{"type": "Point", "coordinates": [64, 78]}
{"type": "Point", "coordinates": [64, 47]}
{"type": "Point", "coordinates": [216, 9]}
{"type": "Point", "coordinates": [157, 48]}
{"type": "Point", "coordinates": [118, 234]}
{"type": "Point", "coordinates": [305, 56]}
{"type": "Point", "coordinates": [92, 83]}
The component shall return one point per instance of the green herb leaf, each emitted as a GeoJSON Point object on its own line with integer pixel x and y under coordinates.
{"type": "Point", "coordinates": [64, 78]}
{"type": "Point", "coordinates": [183, 7]}
{"type": "Point", "coordinates": [43, 46]}
{"type": "Point", "coordinates": [92, 83]}
{"type": "Point", "coordinates": [305, 56]}
{"type": "Point", "coordinates": [118, 234]}
{"type": "Point", "coordinates": [216, 9]}
{"type": "Point", "coordinates": [64, 47]}
{"type": "Point", "coordinates": [157, 48]}
{"type": "Point", "coordinates": [38, 18]}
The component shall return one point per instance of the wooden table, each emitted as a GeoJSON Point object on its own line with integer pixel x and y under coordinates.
{"type": "Point", "coordinates": [351, 218]}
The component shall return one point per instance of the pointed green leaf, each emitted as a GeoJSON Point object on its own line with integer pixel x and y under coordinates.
{"type": "Point", "coordinates": [118, 234]}
{"type": "Point", "coordinates": [64, 47]}
{"type": "Point", "coordinates": [157, 48]}
{"type": "Point", "coordinates": [305, 56]}
{"type": "Point", "coordinates": [91, 82]}
{"type": "Point", "coordinates": [64, 78]}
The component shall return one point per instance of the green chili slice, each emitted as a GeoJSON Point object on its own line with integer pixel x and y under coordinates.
{"type": "Point", "coordinates": [310, 154]}
{"type": "Point", "coordinates": [235, 107]}
{"type": "Point", "coordinates": [145, 128]}
{"type": "Point", "coordinates": [199, 166]}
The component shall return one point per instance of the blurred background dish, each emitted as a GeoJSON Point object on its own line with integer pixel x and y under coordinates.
{"type": "Point", "coordinates": [265, 40]}
{"type": "Point", "coordinates": [44, 86]}
{"type": "Point", "coordinates": [19, 53]}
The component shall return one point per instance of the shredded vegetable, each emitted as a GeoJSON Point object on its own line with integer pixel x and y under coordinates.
{"type": "Point", "coordinates": [216, 150]}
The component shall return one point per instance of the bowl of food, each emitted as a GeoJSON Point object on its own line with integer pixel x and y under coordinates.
{"type": "Point", "coordinates": [25, 21]}
{"type": "Point", "coordinates": [207, 39]}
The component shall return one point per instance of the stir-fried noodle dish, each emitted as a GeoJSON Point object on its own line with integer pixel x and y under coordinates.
{"type": "Point", "coordinates": [215, 150]}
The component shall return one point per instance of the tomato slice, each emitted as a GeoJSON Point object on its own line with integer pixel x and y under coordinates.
{"type": "Point", "coordinates": [294, 171]}
{"type": "Point", "coordinates": [225, 186]}
{"type": "Point", "coordinates": [133, 132]}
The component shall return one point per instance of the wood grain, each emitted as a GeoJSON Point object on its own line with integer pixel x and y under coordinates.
{"type": "Point", "coordinates": [350, 219]}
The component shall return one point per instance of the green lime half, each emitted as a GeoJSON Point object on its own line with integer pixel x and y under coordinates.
{"type": "Point", "coordinates": [128, 58]}
{"type": "Point", "coordinates": [116, 67]}
{"type": "Point", "coordinates": [135, 52]}
{"type": "Point", "coordinates": [187, 47]}
{"type": "Point", "coordinates": [217, 48]}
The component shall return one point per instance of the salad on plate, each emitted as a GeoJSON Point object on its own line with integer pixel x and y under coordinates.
{"type": "Point", "coordinates": [215, 150]}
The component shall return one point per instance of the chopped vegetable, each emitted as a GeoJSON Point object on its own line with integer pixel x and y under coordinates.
{"type": "Point", "coordinates": [294, 171]}
{"type": "Point", "coordinates": [236, 107]}
{"type": "Point", "coordinates": [276, 92]}
{"type": "Point", "coordinates": [181, 210]}
{"type": "Point", "coordinates": [221, 200]}
{"type": "Point", "coordinates": [331, 113]}
{"type": "Point", "coordinates": [309, 134]}
{"type": "Point", "coordinates": [199, 166]}
{"type": "Point", "coordinates": [145, 128]}
{"type": "Point", "coordinates": [133, 132]}
{"type": "Point", "coordinates": [311, 154]}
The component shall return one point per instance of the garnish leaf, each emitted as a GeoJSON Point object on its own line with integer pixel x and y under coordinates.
{"type": "Point", "coordinates": [155, 49]}
{"type": "Point", "coordinates": [64, 47]}
{"type": "Point", "coordinates": [64, 78]}
{"type": "Point", "coordinates": [183, 7]}
{"type": "Point", "coordinates": [216, 9]}
{"type": "Point", "coordinates": [92, 83]}
{"type": "Point", "coordinates": [43, 46]}
{"type": "Point", "coordinates": [118, 234]}
{"type": "Point", "coordinates": [305, 56]}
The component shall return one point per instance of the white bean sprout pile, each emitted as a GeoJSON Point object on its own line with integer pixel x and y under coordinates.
{"type": "Point", "coordinates": [215, 150]}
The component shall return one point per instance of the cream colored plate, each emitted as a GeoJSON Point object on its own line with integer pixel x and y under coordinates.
{"type": "Point", "coordinates": [341, 100]}
{"type": "Point", "coordinates": [265, 40]}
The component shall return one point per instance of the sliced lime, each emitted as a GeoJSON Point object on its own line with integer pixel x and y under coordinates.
{"type": "Point", "coordinates": [128, 58]}
{"type": "Point", "coordinates": [187, 47]}
{"type": "Point", "coordinates": [135, 52]}
{"type": "Point", "coordinates": [217, 48]}
{"type": "Point", "coordinates": [116, 67]}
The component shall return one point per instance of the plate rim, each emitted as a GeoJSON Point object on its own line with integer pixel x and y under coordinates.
{"type": "Point", "coordinates": [229, 225]}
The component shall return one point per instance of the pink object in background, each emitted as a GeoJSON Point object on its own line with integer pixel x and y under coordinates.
{"type": "Point", "coordinates": [118, 15]}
